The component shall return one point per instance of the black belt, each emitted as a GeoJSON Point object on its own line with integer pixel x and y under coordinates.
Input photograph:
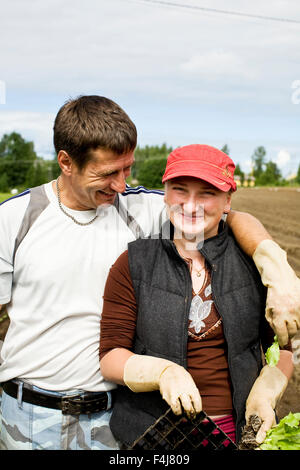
{"type": "Point", "coordinates": [69, 405]}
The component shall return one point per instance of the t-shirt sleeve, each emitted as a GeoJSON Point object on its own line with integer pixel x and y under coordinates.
{"type": "Point", "coordinates": [11, 216]}
{"type": "Point", "coordinates": [118, 321]}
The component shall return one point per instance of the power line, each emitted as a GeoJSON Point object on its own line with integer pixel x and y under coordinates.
{"type": "Point", "coordinates": [223, 12]}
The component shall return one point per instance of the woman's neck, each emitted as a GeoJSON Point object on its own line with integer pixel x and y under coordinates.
{"type": "Point", "coordinates": [195, 259]}
{"type": "Point", "coordinates": [187, 249]}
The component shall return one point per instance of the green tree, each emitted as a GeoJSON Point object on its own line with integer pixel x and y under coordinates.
{"type": "Point", "coordinates": [37, 174]}
{"type": "Point", "coordinates": [298, 175]}
{"type": "Point", "coordinates": [4, 187]}
{"type": "Point", "coordinates": [238, 172]}
{"type": "Point", "coordinates": [54, 169]}
{"type": "Point", "coordinates": [151, 172]}
{"type": "Point", "coordinates": [148, 152]}
{"type": "Point", "coordinates": [271, 175]}
{"type": "Point", "coordinates": [225, 149]}
{"type": "Point", "coordinates": [16, 158]}
{"type": "Point", "coordinates": [258, 161]}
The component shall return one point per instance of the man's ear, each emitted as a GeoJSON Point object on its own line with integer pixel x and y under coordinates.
{"type": "Point", "coordinates": [65, 162]}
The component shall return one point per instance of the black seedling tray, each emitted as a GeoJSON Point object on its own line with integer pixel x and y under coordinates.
{"type": "Point", "coordinates": [171, 432]}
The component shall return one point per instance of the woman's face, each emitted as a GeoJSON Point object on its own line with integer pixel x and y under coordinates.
{"type": "Point", "coordinates": [195, 207]}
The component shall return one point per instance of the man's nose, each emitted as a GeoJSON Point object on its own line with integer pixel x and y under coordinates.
{"type": "Point", "coordinates": [118, 182]}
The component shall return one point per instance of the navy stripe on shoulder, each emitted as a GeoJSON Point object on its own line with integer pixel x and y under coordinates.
{"type": "Point", "coordinates": [141, 189]}
{"type": "Point", "coordinates": [27, 191]}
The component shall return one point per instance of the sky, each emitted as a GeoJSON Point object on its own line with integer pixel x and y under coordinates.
{"type": "Point", "coordinates": [182, 73]}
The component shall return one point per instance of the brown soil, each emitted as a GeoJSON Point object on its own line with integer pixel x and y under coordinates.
{"type": "Point", "coordinates": [248, 441]}
{"type": "Point", "coordinates": [279, 210]}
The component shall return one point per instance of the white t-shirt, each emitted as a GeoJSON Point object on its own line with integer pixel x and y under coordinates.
{"type": "Point", "coordinates": [53, 286]}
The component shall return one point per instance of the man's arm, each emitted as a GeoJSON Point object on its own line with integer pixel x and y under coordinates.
{"type": "Point", "coordinates": [248, 230]}
{"type": "Point", "coordinates": [283, 298]}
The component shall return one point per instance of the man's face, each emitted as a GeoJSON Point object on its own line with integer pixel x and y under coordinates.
{"type": "Point", "coordinates": [195, 206]}
{"type": "Point", "coordinates": [100, 180]}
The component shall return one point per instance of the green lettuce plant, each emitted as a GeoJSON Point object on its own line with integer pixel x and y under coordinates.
{"type": "Point", "coordinates": [284, 436]}
{"type": "Point", "coordinates": [273, 353]}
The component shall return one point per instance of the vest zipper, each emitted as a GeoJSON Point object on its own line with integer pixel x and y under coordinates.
{"type": "Point", "coordinates": [187, 302]}
{"type": "Point", "coordinates": [213, 270]}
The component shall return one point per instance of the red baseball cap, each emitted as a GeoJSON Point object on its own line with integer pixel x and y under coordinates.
{"type": "Point", "coordinates": [203, 162]}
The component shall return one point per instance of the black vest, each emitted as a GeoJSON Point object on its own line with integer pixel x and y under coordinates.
{"type": "Point", "coordinates": [163, 291]}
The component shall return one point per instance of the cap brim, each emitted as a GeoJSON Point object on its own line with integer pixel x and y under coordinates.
{"type": "Point", "coordinates": [212, 179]}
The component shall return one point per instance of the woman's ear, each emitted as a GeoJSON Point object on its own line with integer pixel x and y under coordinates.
{"type": "Point", "coordinates": [165, 194]}
{"type": "Point", "coordinates": [227, 206]}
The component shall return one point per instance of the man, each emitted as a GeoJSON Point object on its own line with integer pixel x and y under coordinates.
{"type": "Point", "coordinates": [58, 242]}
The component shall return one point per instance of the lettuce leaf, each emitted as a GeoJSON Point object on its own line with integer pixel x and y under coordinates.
{"type": "Point", "coordinates": [284, 436]}
{"type": "Point", "coordinates": [273, 353]}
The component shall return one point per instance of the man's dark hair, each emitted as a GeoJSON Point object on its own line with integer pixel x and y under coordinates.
{"type": "Point", "coordinates": [90, 122]}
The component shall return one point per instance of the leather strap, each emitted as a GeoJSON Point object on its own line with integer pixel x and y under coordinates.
{"type": "Point", "coordinates": [76, 404]}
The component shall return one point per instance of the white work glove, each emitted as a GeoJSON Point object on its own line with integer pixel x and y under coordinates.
{"type": "Point", "coordinates": [283, 297]}
{"type": "Point", "coordinates": [176, 385]}
{"type": "Point", "coordinates": [263, 397]}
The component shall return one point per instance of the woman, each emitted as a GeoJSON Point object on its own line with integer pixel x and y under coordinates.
{"type": "Point", "coordinates": [183, 314]}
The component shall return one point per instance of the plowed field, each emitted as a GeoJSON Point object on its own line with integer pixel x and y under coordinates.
{"type": "Point", "coordinates": [279, 210]}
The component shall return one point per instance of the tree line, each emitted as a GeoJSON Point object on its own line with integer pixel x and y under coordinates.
{"type": "Point", "coordinates": [21, 167]}
{"type": "Point", "coordinates": [150, 165]}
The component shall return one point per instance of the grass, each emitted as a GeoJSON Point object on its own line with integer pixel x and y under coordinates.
{"type": "Point", "coordinates": [4, 196]}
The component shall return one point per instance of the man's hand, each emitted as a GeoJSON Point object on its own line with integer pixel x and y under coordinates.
{"type": "Point", "coordinates": [263, 397]}
{"type": "Point", "coordinates": [283, 297]}
{"type": "Point", "coordinates": [176, 385]}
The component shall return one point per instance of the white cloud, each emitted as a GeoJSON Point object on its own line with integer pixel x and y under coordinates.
{"type": "Point", "coordinates": [283, 157]}
{"type": "Point", "coordinates": [36, 126]}
{"type": "Point", "coordinates": [215, 64]}
{"type": "Point", "coordinates": [184, 75]}
{"type": "Point", "coordinates": [2, 92]}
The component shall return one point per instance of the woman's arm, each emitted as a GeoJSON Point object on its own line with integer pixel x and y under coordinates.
{"type": "Point", "coordinates": [141, 373]}
{"type": "Point", "coordinates": [118, 320]}
{"type": "Point", "coordinates": [112, 365]}
{"type": "Point", "coordinates": [267, 391]}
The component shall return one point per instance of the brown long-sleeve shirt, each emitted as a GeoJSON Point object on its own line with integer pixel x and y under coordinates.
{"type": "Point", "coordinates": [206, 348]}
